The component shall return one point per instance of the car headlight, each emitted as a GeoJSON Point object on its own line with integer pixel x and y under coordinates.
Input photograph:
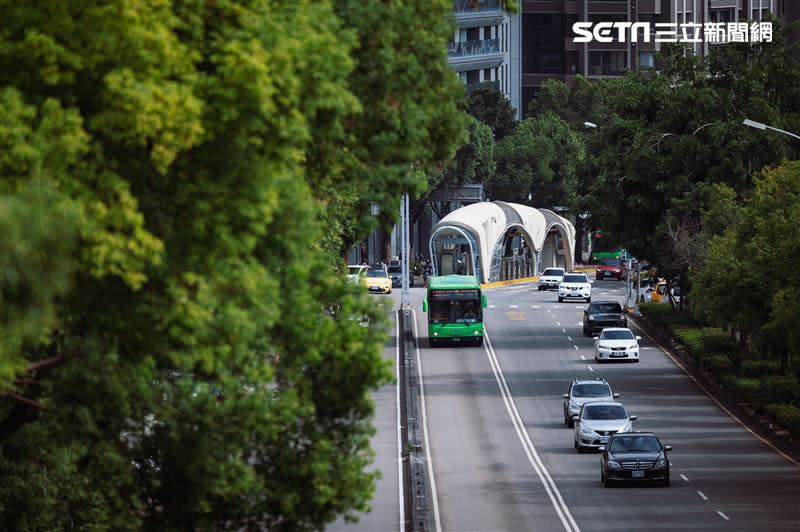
{"type": "Point", "coordinates": [627, 428]}
{"type": "Point", "coordinates": [634, 346]}
{"type": "Point", "coordinates": [592, 317]}
{"type": "Point", "coordinates": [661, 464]}
{"type": "Point", "coordinates": [573, 405]}
{"type": "Point", "coordinates": [611, 464]}
{"type": "Point", "coordinates": [586, 430]}
{"type": "Point", "coordinates": [604, 348]}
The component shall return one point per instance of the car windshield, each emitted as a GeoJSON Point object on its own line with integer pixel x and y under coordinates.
{"type": "Point", "coordinates": [554, 272]}
{"type": "Point", "coordinates": [629, 444]}
{"type": "Point", "coordinates": [575, 279]}
{"type": "Point", "coordinates": [616, 335]}
{"type": "Point", "coordinates": [605, 308]}
{"type": "Point", "coordinates": [591, 390]}
{"type": "Point", "coordinates": [604, 412]}
{"type": "Point", "coordinates": [354, 270]}
{"type": "Point", "coordinates": [610, 262]}
{"type": "Point", "coordinates": [395, 269]}
{"type": "Point", "coordinates": [376, 273]}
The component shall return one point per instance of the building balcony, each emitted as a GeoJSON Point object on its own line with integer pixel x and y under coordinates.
{"type": "Point", "coordinates": [474, 55]}
{"type": "Point", "coordinates": [472, 86]}
{"type": "Point", "coordinates": [470, 48]}
{"type": "Point", "coordinates": [473, 6]}
{"type": "Point", "coordinates": [472, 13]}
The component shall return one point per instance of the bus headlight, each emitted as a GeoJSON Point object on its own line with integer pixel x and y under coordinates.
{"type": "Point", "coordinates": [476, 333]}
{"type": "Point", "coordinates": [436, 334]}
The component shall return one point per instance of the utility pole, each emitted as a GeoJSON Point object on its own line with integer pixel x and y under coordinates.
{"type": "Point", "coordinates": [404, 246]}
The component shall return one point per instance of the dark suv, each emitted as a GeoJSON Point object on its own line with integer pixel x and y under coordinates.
{"type": "Point", "coordinates": [602, 314]}
{"type": "Point", "coordinates": [634, 457]}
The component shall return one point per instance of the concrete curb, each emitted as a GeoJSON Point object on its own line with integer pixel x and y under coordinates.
{"type": "Point", "coordinates": [510, 282]}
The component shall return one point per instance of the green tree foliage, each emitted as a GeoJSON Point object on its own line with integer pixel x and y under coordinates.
{"type": "Point", "coordinates": [540, 157]}
{"type": "Point", "coordinates": [177, 352]}
{"type": "Point", "coordinates": [746, 282]}
{"type": "Point", "coordinates": [662, 134]}
{"type": "Point", "coordinates": [409, 114]}
{"type": "Point", "coordinates": [488, 105]}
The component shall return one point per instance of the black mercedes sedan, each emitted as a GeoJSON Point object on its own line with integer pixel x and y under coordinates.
{"type": "Point", "coordinates": [602, 314]}
{"type": "Point", "coordinates": [634, 457]}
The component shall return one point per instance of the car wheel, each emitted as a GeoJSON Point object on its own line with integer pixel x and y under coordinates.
{"type": "Point", "coordinates": [570, 424]}
{"type": "Point", "coordinates": [560, 299]}
{"type": "Point", "coordinates": [607, 482]}
{"type": "Point", "coordinates": [602, 476]}
{"type": "Point", "coordinates": [665, 483]}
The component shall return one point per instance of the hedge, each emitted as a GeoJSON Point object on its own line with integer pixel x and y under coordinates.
{"type": "Point", "coordinates": [787, 416]}
{"type": "Point", "coordinates": [759, 368]}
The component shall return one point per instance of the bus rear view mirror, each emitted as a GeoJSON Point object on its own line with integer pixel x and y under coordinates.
{"type": "Point", "coordinates": [483, 300]}
{"type": "Point", "coordinates": [425, 305]}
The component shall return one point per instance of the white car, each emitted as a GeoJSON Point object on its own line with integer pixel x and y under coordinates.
{"type": "Point", "coordinates": [599, 420]}
{"type": "Point", "coordinates": [575, 286]}
{"type": "Point", "coordinates": [550, 278]}
{"type": "Point", "coordinates": [356, 272]}
{"type": "Point", "coordinates": [616, 343]}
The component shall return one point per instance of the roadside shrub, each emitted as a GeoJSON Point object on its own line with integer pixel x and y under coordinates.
{"type": "Point", "coordinates": [780, 389]}
{"type": "Point", "coordinates": [759, 368]}
{"type": "Point", "coordinates": [716, 340]}
{"type": "Point", "coordinates": [692, 338]}
{"type": "Point", "coordinates": [786, 415]}
{"type": "Point", "coordinates": [664, 315]}
{"type": "Point", "coordinates": [749, 389]}
{"type": "Point", "coordinates": [717, 364]}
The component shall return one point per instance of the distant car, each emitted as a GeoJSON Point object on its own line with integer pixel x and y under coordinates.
{"type": "Point", "coordinates": [585, 391]}
{"type": "Point", "coordinates": [575, 286]}
{"type": "Point", "coordinates": [396, 274]}
{"type": "Point", "coordinates": [602, 314]}
{"type": "Point", "coordinates": [634, 457]}
{"type": "Point", "coordinates": [377, 280]}
{"type": "Point", "coordinates": [611, 268]}
{"type": "Point", "coordinates": [616, 343]}
{"type": "Point", "coordinates": [550, 278]}
{"type": "Point", "coordinates": [597, 422]}
{"type": "Point", "coordinates": [356, 272]}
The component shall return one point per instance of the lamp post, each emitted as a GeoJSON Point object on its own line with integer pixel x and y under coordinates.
{"type": "Point", "coordinates": [762, 127]}
{"type": "Point", "coordinates": [583, 217]}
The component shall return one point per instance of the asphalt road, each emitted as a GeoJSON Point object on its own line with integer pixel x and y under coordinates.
{"type": "Point", "coordinates": [504, 460]}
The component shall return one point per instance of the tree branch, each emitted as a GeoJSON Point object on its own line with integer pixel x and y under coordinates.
{"type": "Point", "coordinates": [23, 399]}
{"type": "Point", "coordinates": [52, 361]}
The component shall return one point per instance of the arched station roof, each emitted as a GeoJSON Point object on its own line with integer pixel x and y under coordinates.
{"type": "Point", "coordinates": [488, 222]}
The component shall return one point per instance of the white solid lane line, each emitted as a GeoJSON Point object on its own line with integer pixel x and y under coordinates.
{"type": "Point", "coordinates": [722, 515]}
{"type": "Point", "coordinates": [684, 478]}
{"type": "Point", "coordinates": [434, 495]}
{"type": "Point", "coordinates": [702, 495]}
{"type": "Point", "coordinates": [533, 457]}
{"type": "Point", "coordinates": [399, 430]}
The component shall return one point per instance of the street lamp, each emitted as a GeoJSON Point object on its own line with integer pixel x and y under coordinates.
{"type": "Point", "coordinates": [583, 217]}
{"type": "Point", "coordinates": [762, 127]}
{"type": "Point", "coordinates": [590, 125]}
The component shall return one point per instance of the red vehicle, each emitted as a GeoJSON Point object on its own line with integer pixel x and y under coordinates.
{"type": "Point", "coordinates": [615, 268]}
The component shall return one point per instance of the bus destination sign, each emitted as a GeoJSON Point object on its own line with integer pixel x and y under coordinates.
{"type": "Point", "coordinates": [455, 294]}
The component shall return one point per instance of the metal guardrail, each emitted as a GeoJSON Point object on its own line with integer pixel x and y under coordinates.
{"type": "Point", "coordinates": [475, 47]}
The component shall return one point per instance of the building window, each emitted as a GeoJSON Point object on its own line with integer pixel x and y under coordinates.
{"type": "Point", "coordinates": [571, 63]}
{"type": "Point", "coordinates": [473, 76]}
{"type": "Point", "coordinates": [606, 17]}
{"type": "Point", "coordinates": [487, 32]}
{"type": "Point", "coordinates": [607, 63]}
{"type": "Point", "coordinates": [647, 59]}
{"type": "Point", "coordinates": [487, 74]}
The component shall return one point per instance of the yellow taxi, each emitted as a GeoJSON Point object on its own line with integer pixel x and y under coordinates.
{"type": "Point", "coordinates": [378, 280]}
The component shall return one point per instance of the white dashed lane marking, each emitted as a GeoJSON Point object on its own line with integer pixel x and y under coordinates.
{"type": "Point", "coordinates": [569, 338]}
{"type": "Point", "coordinates": [514, 306]}
{"type": "Point", "coordinates": [722, 515]}
{"type": "Point", "coordinates": [576, 348]}
{"type": "Point", "coordinates": [563, 330]}
{"type": "Point", "coordinates": [684, 478]}
{"type": "Point", "coordinates": [583, 357]}
{"type": "Point", "coordinates": [590, 368]}
{"type": "Point", "coordinates": [702, 495]}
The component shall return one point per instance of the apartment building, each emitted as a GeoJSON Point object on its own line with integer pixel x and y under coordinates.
{"type": "Point", "coordinates": [548, 50]}
{"type": "Point", "coordinates": [485, 46]}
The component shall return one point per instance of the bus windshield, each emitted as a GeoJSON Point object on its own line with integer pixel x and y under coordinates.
{"type": "Point", "coordinates": [455, 311]}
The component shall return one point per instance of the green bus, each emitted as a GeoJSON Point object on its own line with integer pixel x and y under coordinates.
{"type": "Point", "coordinates": [602, 249]}
{"type": "Point", "coordinates": [454, 304]}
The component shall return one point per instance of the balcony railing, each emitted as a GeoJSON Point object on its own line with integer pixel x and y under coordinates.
{"type": "Point", "coordinates": [469, 6]}
{"type": "Point", "coordinates": [492, 84]}
{"type": "Point", "coordinates": [467, 48]}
